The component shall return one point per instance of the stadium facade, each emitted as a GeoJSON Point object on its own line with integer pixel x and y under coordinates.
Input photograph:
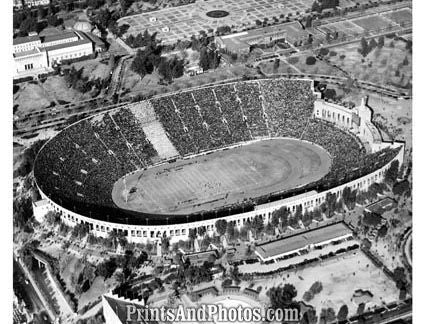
{"type": "Point", "coordinates": [266, 108]}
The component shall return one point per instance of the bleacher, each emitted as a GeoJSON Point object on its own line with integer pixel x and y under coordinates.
{"type": "Point", "coordinates": [79, 166]}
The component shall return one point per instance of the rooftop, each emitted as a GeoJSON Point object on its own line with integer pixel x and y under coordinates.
{"type": "Point", "coordinates": [33, 51]}
{"type": "Point", "coordinates": [70, 44]}
{"type": "Point", "coordinates": [380, 206]}
{"type": "Point", "coordinates": [302, 239]}
{"type": "Point", "coordinates": [241, 40]}
{"type": "Point", "coordinates": [59, 36]}
{"type": "Point", "coordinates": [25, 39]}
{"type": "Point", "coordinates": [41, 202]}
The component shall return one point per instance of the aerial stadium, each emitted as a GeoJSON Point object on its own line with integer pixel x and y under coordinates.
{"type": "Point", "coordinates": [232, 151]}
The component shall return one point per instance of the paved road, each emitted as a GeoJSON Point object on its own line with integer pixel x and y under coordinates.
{"type": "Point", "coordinates": [40, 316]}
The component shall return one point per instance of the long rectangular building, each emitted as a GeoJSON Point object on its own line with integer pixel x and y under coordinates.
{"type": "Point", "coordinates": [36, 54]}
{"type": "Point", "coordinates": [303, 241]}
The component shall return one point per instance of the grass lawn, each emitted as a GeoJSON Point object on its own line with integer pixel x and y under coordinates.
{"type": "Point", "coordinates": [223, 177]}
{"type": "Point", "coordinates": [93, 68]}
{"type": "Point", "coordinates": [31, 96]}
{"type": "Point", "coordinates": [382, 66]}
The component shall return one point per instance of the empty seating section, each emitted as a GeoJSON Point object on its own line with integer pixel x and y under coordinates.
{"type": "Point", "coordinates": [289, 105]}
{"type": "Point", "coordinates": [251, 105]}
{"type": "Point", "coordinates": [231, 111]}
{"type": "Point", "coordinates": [165, 110]}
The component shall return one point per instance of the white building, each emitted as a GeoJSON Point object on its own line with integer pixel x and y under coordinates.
{"type": "Point", "coordinates": [36, 54]}
{"type": "Point", "coordinates": [36, 3]}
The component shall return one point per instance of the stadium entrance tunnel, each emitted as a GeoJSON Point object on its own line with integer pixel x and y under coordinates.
{"type": "Point", "coordinates": [223, 180]}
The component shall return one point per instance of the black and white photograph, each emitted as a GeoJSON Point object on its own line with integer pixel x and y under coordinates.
{"type": "Point", "coordinates": [211, 161]}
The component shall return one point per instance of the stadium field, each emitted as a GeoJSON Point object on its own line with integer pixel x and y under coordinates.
{"type": "Point", "coordinates": [222, 178]}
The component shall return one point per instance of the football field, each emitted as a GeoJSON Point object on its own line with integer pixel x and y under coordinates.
{"type": "Point", "coordinates": [222, 178]}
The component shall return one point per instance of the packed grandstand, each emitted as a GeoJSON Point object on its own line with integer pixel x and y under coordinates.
{"type": "Point", "coordinates": [77, 168]}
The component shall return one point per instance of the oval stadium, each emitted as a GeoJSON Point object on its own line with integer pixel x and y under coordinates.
{"type": "Point", "coordinates": [232, 151]}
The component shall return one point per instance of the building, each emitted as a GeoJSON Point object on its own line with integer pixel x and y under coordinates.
{"type": "Point", "coordinates": [199, 258]}
{"type": "Point", "coordinates": [148, 231]}
{"type": "Point", "coordinates": [303, 241]}
{"type": "Point", "coordinates": [17, 4]}
{"type": "Point", "coordinates": [36, 3]}
{"type": "Point", "coordinates": [357, 120]}
{"type": "Point", "coordinates": [41, 208]}
{"type": "Point", "coordinates": [36, 54]}
{"type": "Point", "coordinates": [20, 312]}
{"type": "Point", "coordinates": [241, 42]}
{"type": "Point", "coordinates": [380, 207]}
{"type": "Point", "coordinates": [117, 310]}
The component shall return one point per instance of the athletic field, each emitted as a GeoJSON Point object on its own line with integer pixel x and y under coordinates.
{"type": "Point", "coordinates": [222, 178]}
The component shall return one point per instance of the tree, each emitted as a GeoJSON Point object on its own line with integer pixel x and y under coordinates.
{"type": "Point", "coordinates": [392, 173]}
{"type": "Point", "coordinates": [53, 218]}
{"type": "Point", "coordinates": [222, 30]}
{"type": "Point", "coordinates": [310, 60]}
{"type": "Point", "coordinates": [327, 315]}
{"type": "Point", "coordinates": [330, 93]}
{"type": "Point", "coordinates": [361, 308]}
{"type": "Point", "coordinates": [316, 288]}
{"type": "Point", "coordinates": [275, 219]}
{"type": "Point", "coordinates": [125, 4]}
{"type": "Point", "coordinates": [29, 24]}
{"type": "Point", "coordinates": [202, 230]}
{"type": "Point", "coordinates": [276, 64]}
{"type": "Point", "coordinates": [400, 277]}
{"type": "Point", "coordinates": [258, 224]}
{"type": "Point", "coordinates": [235, 275]}
{"type": "Point", "coordinates": [401, 187]}
{"type": "Point", "coordinates": [371, 219]}
{"type": "Point", "coordinates": [204, 62]}
{"type": "Point", "coordinates": [364, 47]}
{"type": "Point", "coordinates": [41, 12]}
{"type": "Point", "coordinates": [230, 229]}
{"type": "Point", "coordinates": [309, 317]}
{"type": "Point", "coordinates": [342, 313]}
{"type": "Point", "coordinates": [382, 231]}
{"type": "Point", "coordinates": [192, 234]}
{"type": "Point", "coordinates": [406, 61]}
{"type": "Point", "coordinates": [372, 44]}
{"type": "Point", "coordinates": [381, 42]}
{"type": "Point", "coordinates": [281, 297]}
{"type": "Point", "coordinates": [316, 7]}
{"type": "Point", "coordinates": [409, 46]}
{"type": "Point", "coordinates": [329, 206]}
{"type": "Point", "coordinates": [221, 226]}
{"type": "Point", "coordinates": [308, 295]}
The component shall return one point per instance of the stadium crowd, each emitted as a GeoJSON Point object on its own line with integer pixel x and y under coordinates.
{"type": "Point", "coordinates": [79, 166]}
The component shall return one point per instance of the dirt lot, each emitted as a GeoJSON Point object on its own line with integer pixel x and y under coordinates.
{"type": "Point", "coordinates": [37, 95]}
{"type": "Point", "coordinates": [340, 278]}
{"type": "Point", "coordinates": [31, 96]}
{"type": "Point", "coordinates": [394, 116]}
{"type": "Point", "coordinates": [382, 66]}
